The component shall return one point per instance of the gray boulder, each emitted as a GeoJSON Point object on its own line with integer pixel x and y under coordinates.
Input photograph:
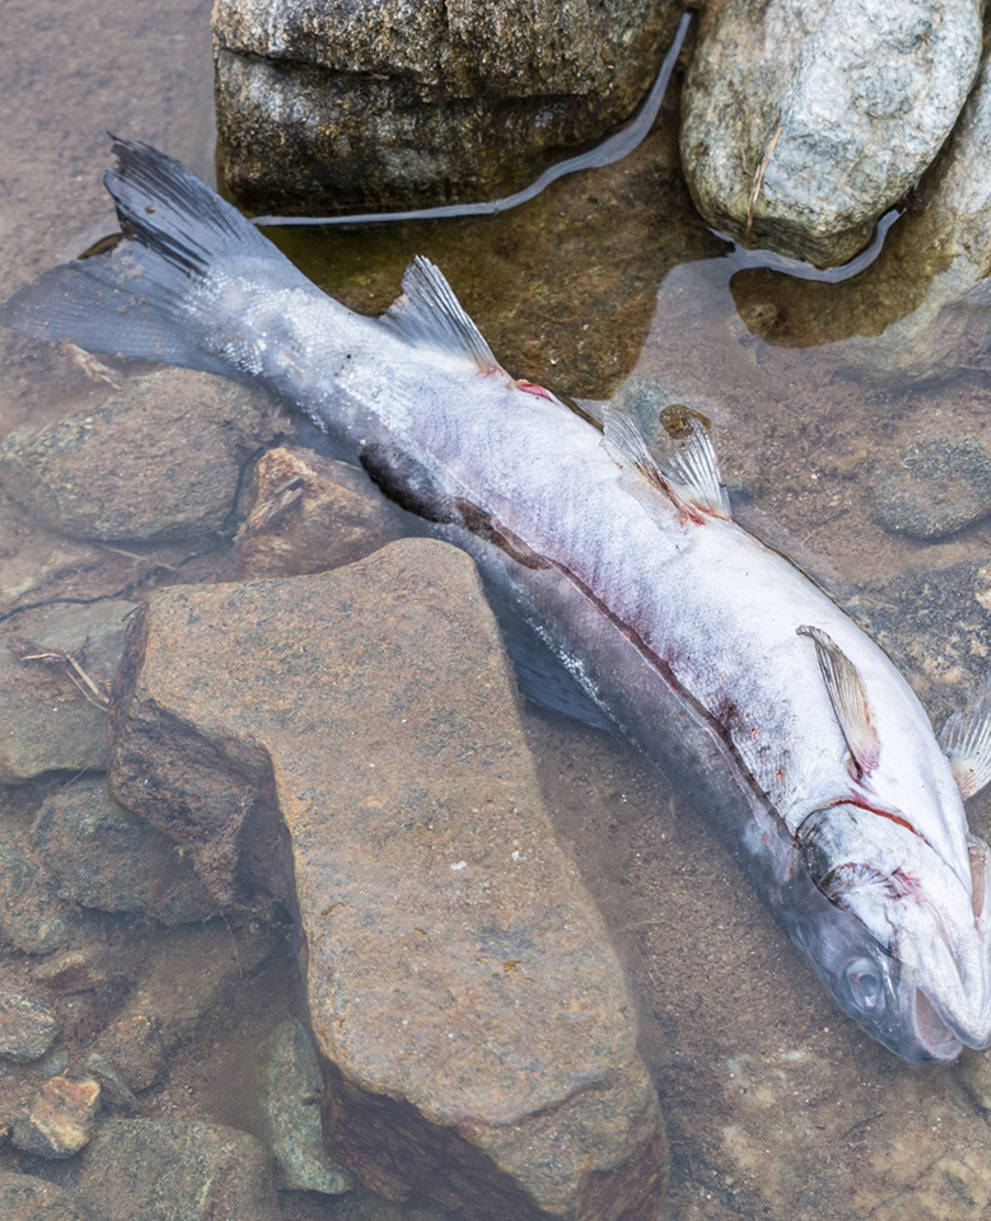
{"type": "Point", "coordinates": [383, 103]}
{"type": "Point", "coordinates": [158, 461]}
{"type": "Point", "coordinates": [921, 311]}
{"type": "Point", "coordinates": [804, 120]}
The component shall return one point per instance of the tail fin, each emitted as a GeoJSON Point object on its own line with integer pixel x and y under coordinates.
{"type": "Point", "coordinates": [144, 295]}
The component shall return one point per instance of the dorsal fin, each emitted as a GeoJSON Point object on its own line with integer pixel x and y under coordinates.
{"type": "Point", "coordinates": [849, 700]}
{"type": "Point", "coordinates": [966, 741]}
{"type": "Point", "coordinates": [428, 314]}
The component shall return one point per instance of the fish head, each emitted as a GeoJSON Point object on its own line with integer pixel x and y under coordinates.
{"type": "Point", "coordinates": [900, 939]}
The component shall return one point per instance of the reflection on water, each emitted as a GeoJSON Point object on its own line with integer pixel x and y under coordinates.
{"type": "Point", "coordinates": [609, 285]}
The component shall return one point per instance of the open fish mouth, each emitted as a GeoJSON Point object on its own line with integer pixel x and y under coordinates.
{"type": "Point", "coordinates": [938, 1039]}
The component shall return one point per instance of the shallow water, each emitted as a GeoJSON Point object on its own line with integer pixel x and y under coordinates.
{"type": "Point", "coordinates": [609, 284]}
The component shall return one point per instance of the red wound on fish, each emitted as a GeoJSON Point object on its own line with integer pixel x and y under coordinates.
{"type": "Point", "coordinates": [533, 388]}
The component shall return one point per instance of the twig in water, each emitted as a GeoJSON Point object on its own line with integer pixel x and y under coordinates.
{"type": "Point", "coordinates": [94, 692]}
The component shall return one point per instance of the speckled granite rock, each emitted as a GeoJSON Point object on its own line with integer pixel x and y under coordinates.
{"type": "Point", "coordinates": [477, 1040]}
{"type": "Point", "coordinates": [177, 1170]}
{"type": "Point", "coordinates": [803, 122]}
{"type": "Point", "coordinates": [389, 102]}
{"type": "Point", "coordinates": [921, 310]}
{"type": "Point", "coordinates": [102, 856]}
{"type": "Point", "coordinates": [308, 513]}
{"type": "Point", "coordinates": [27, 1027]}
{"type": "Point", "coordinates": [32, 917]}
{"type": "Point", "coordinates": [158, 461]}
{"type": "Point", "coordinates": [25, 1197]}
{"type": "Point", "coordinates": [49, 722]}
{"type": "Point", "coordinates": [289, 1104]}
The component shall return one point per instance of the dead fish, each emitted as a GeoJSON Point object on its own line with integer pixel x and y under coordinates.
{"type": "Point", "coordinates": [788, 728]}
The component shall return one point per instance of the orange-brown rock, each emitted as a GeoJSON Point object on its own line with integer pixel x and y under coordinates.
{"type": "Point", "coordinates": [359, 728]}
{"type": "Point", "coordinates": [60, 1120]}
{"type": "Point", "coordinates": [309, 513]}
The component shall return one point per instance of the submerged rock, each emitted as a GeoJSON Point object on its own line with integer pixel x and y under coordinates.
{"type": "Point", "coordinates": [934, 487]}
{"type": "Point", "coordinates": [177, 1170]}
{"type": "Point", "coordinates": [158, 461]}
{"type": "Point", "coordinates": [187, 972]}
{"type": "Point", "coordinates": [309, 513]}
{"type": "Point", "coordinates": [127, 1057]}
{"type": "Point", "coordinates": [56, 665]}
{"type": "Point", "coordinates": [477, 1039]}
{"type": "Point", "coordinates": [383, 103]}
{"type": "Point", "coordinates": [25, 1197]}
{"type": "Point", "coordinates": [803, 122]}
{"type": "Point", "coordinates": [289, 1102]}
{"type": "Point", "coordinates": [27, 1027]}
{"type": "Point", "coordinates": [60, 1120]}
{"type": "Point", "coordinates": [102, 856]}
{"type": "Point", "coordinates": [32, 917]}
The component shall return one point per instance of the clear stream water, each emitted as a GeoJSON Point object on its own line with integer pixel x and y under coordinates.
{"type": "Point", "coordinates": [609, 284]}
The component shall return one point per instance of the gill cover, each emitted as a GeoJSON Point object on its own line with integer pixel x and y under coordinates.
{"type": "Point", "coordinates": [933, 931]}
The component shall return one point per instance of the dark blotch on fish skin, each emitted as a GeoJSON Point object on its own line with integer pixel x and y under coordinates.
{"type": "Point", "coordinates": [405, 481]}
{"type": "Point", "coordinates": [479, 522]}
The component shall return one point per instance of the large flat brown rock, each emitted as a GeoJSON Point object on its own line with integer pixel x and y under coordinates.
{"type": "Point", "coordinates": [359, 726]}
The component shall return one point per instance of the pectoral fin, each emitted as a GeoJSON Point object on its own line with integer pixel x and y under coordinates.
{"type": "Point", "coordinates": [849, 700]}
{"type": "Point", "coordinates": [966, 740]}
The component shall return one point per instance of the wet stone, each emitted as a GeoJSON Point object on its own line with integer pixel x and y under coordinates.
{"type": "Point", "coordinates": [934, 488]}
{"type": "Point", "coordinates": [158, 461]}
{"type": "Point", "coordinates": [920, 311]}
{"type": "Point", "coordinates": [71, 971]}
{"type": "Point", "coordinates": [177, 1170]}
{"type": "Point", "coordinates": [60, 1120]}
{"type": "Point", "coordinates": [477, 1040]}
{"type": "Point", "coordinates": [127, 1057]}
{"type": "Point", "coordinates": [102, 856]}
{"type": "Point", "coordinates": [27, 1027]}
{"type": "Point", "coordinates": [382, 103]}
{"type": "Point", "coordinates": [25, 1197]}
{"type": "Point", "coordinates": [309, 513]}
{"type": "Point", "coordinates": [289, 1102]}
{"type": "Point", "coordinates": [32, 917]}
{"type": "Point", "coordinates": [804, 122]}
{"type": "Point", "coordinates": [50, 708]}
{"type": "Point", "coordinates": [36, 566]}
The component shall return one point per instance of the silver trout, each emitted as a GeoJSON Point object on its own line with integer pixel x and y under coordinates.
{"type": "Point", "coordinates": [788, 728]}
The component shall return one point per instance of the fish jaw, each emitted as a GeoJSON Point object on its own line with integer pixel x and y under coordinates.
{"type": "Point", "coordinates": [903, 945]}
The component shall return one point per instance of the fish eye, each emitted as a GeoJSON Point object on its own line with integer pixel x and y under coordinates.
{"type": "Point", "coordinates": [864, 984]}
